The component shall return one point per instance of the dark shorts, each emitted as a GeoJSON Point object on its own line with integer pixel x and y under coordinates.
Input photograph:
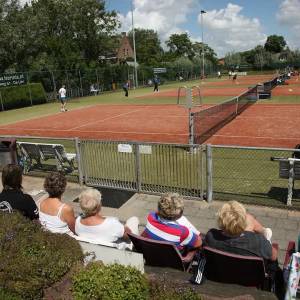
{"type": "Point", "coordinates": [63, 100]}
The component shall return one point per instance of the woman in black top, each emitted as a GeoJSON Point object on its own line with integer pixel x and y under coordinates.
{"type": "Point", "coordinates": [12, 194]}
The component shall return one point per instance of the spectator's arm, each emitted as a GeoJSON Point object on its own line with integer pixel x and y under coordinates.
{"type": "Point", "coordinates": [198, 243]}
{"type": "Point", "coordinates": [126, 231]}
{"type": "Point", "coordinates": [253, 224]}
{"type": "Point", "coordinates": [69, 217]}
{"type": "Point", "coordinates": [274, 252]}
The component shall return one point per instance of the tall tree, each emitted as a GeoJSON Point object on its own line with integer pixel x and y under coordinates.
{"type": "Point", "coordinates": [275, 43]}
{"type": "Point", "coordinates": [209, 53]}
{"type": "Point", "coordinates": [233, 59]}
{"type": "Point", "coordinates": [148, 49]}
{"type": "Point", "coordinates": [180, 45]}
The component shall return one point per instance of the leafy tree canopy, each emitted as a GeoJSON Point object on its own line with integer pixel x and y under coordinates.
{"type": "Point", "coordinates": [148, 49]}
{"type": "Point", "coordinates": [275, 43]}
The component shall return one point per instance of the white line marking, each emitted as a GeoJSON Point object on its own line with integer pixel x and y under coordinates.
{"type": "Point", "coordinates": [255, 137]}
{"type": "Point", "coordinates": [100, 131]}
{"type": "Point", "coordinates": [103, 120]}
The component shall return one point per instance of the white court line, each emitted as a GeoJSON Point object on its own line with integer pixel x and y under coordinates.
{"type": "Point", "coordinates": [103, 120]}
{"type": "Point", "coordinates": [255, 137]}
{"type": "Point", "coordinates": [106, 131]}
{"type": "Point", "coordinates": [262, 117]}
{"type": "Point", "coordinates": [119, 115]}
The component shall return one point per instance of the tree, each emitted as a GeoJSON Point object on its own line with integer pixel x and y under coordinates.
{"type": "Point", "coordinates": [180, 45]}
{"type": "Point", "coordinates": [233, 59]}
{"type": "Point", "coordinates": [62, 34]}
{"type": "Point", "coordinates": [209, 52]}
{"type": "Point", "coordinates": [148, 49]}
{"type": "Point", "coordinates": [275, 43]}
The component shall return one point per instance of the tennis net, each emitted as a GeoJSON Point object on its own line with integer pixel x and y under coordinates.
{"type": "Point", "coordinates": [208, 121]}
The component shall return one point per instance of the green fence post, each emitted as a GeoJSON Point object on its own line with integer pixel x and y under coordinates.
{"type": "Point", "coordinates": [2, 106]}
{"type": "Point", "coordinates": [209, 189]}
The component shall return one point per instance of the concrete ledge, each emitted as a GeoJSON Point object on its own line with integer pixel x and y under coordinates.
{"type": "Point", "coordinates": [109, 255]}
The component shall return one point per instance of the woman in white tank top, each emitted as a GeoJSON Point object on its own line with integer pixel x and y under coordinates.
{"type": "Point", "coordinates": [54, 215]}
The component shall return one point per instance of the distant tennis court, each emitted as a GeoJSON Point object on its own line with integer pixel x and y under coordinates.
{"type": "Point", "coordinates": [258, 125]}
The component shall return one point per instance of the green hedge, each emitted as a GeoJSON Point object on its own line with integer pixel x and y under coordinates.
{"type": "Point", "coordinates": [32, 258]}
{"type": "Point", "coordinates": [111, 282]}
{"type": "Point", "coordinates": [19, 96]}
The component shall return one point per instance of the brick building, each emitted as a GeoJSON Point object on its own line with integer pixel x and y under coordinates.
{"type": "Point", "coordinates": [125, 50]}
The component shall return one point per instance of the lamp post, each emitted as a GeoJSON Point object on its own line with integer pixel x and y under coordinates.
{"type": "Point", "coordinates": [203, 61]}
{"type": "Point", "coordinates": [134, 51]}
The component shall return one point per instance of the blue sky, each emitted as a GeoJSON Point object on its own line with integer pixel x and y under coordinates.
{"type": "Point", "coordinates": [228, 25]}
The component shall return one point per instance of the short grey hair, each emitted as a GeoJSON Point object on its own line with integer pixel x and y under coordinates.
{"type": "Point", "coordinates": [90, 202]}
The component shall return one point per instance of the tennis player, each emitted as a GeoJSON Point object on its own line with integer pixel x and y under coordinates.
{"type": "Point", "coordinates": [234, 77]}
{"type": "Point", "coordinates": [63, 98]}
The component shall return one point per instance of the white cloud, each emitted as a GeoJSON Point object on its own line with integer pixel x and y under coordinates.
{"type": "Point", "coordinates": [23, 2]}
{"type": "Point", "coordinates": [289, 15]}
{"type": "Point", "coordinates": [228, 30]}
{"type": "Point", "coordinates": [225, 30]}
{"type": "Point", "coordinates": [163, 16]}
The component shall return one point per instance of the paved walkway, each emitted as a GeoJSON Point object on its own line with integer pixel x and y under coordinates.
{"type": "Point", "coordinates": [284, 223]}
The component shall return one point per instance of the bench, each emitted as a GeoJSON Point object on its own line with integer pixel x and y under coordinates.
{"type": "Point", "coordinates": [289, 168]}
{"type": "Point", "coordinates": [263, 91]}
{"type": "Point", "coordinates": [33, 154]}
{"type": "Point", "coordinates": [110, 253]}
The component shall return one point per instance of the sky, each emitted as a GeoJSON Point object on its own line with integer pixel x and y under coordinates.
{"type": "Point", "coordinates": [236, 25]}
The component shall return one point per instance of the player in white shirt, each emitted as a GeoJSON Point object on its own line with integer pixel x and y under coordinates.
{"type": "Point", "coordinates": [63, 97]}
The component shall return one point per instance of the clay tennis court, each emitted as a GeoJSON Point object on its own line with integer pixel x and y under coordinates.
{"type": "Point", "coordinates": [259, 125]}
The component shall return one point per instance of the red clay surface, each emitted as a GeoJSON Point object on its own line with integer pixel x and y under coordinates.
{"type": "Point", "coordinates": [204, 92]}
{"type": "Point", "coordinates": [263, 125]}
{"type": "Point", "coordinates": [286, 90]}
{"type": "Point", "coordinates": [163, 123]}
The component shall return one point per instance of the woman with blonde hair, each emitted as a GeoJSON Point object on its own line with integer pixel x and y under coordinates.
{"type": "Point", "coordinates": [240, 233]}
{"type": "Point", "coordinates": [94, 226]}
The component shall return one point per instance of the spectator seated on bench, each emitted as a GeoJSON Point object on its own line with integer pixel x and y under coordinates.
{"type": "Point", "coordinates": [240, 233]}
{"type": "Point", "coordinates": [92, 225]}
{"type": "Point", "coordinates": [168, 224]}
{"type": "Point", "coordinates": [12, 196]}
{"type": "Point", "coordinates": [54, 215]}
{"type": "Point", "coordinates": [40, 152]}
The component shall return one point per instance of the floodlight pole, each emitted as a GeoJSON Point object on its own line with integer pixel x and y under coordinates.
{"type": "Point", "coordinates": [134, 51]}
{"type": "Point", "coordinates": [203, 60]}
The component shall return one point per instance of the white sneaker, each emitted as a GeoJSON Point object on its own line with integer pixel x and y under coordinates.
{"type": "Point", "coordinates": [267, 232]}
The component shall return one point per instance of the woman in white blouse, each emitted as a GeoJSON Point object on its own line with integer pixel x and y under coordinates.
{"type": "Point", "coordinates": [95, 227]}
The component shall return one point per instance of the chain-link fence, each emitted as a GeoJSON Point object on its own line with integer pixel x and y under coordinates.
{"type": "Point", "coordinates": [150, 168]}
{"type": "Point", "coordinates": [250, 175]}
{"type": "Point", "coordinates": [85, 82]}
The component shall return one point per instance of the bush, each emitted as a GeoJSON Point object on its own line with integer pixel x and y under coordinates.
{"type": "Point", "coordinates": [170, 290]}
{"type": "Point", "coordinates": [7, 295]}
{"type": "Point", "coordinates": [112, 282]}
{"type": "Point", "coordinates": [31, 258]}
{"type": "Point", "coordinates": [19, 96]}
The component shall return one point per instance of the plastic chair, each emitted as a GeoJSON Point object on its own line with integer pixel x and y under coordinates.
{"type": "Point", "coordinates": [161, 254]}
